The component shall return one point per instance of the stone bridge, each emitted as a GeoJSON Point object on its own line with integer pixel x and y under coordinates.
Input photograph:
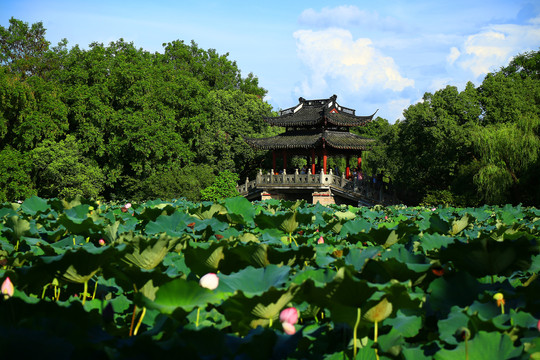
{"type": "Point", "coordinates": [323, 188]}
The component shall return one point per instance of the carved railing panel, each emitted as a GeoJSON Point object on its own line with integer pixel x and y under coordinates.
{"type": "Point", "coordinates": [363, 188]}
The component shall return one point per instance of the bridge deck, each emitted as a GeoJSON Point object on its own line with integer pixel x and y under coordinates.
{"type": "Point", "coordinates": [365, 192]}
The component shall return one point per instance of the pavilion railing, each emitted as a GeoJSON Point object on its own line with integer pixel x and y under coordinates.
{"type": "Point", "coordinates": [366, 188]}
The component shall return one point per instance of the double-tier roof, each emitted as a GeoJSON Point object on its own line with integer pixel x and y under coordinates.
{"type": "Point", "coordinates": [316, 124]}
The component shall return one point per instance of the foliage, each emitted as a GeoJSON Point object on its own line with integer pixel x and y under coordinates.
{"type": "Point", "coordinates": [224, 186]}
{"type": "Point", "coordinates": [117, 281]}
{"type": "Point", "coordinates": [481, 144]}
{"type": "Point", "coordinates": [133, 114]}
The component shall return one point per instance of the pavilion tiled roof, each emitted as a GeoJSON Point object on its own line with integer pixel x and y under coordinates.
{"type": "Point", "coordinates": [307, 139]}
{"type": "Point", "coordinates": [316, 112]}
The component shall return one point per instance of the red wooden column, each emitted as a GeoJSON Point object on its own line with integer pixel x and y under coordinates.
{"type": "Point", "coordinates": [284, 159]}
{"type": "Point", "coordinates": [313, 161]}
{"type": "Point", "coordinates": [347, 169]}
{"type": "Point", "coordinates": [273, 162]}
{"type": "Point", "coordinates": [360, 162]}
{"type": "Point", "coordinates": [324, 160]}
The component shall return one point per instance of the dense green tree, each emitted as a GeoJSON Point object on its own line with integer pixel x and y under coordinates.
{"type": "Point", "coordinates": [508, 146]}
{"type": "Point", "coordinates": [15, 175]}
{"type": "Point", "coordinates": [61, 170]}
{"type": "Point", "coordinates": [432, 142]}
{"type": "Point", "coordinates": [142, 119]}
{"type": "Point", "coordinates": [224, 186]}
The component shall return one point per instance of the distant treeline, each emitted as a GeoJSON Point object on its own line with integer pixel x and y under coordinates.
{"type": "Point", "coordinates": [117, 122]}
{"type": "Point", "coordinates": [480, 145]}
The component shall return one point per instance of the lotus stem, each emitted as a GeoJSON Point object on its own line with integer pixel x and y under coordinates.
{"type": "Point", "coordinates": [132, 320]}
{"type": "Point", "coordinates": [57, 295]}
{"type": "Point", "coordinates": [95, 288]}
{"type": "Point", "coordinates": [466, 349]}
{"type": "Point", "coordinates": [375, 338]}
{"type": "Point", "coordinates": [85, 292]}
{"type": "Point", "coordinates": [197, 320]}
{"type": "Point", "coordinates": [43, 292]}
{"type": "Point", "coordinates": [140, 321]}
{"type": "Point", "coordinates": [358, 313]}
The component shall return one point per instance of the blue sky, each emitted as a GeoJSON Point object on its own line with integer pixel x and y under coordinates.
{"type": "Point", "coordinates": [372, 54]}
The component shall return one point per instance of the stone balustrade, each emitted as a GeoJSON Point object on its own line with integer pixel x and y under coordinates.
{"type": "Point", "coordinates": [363, 188]}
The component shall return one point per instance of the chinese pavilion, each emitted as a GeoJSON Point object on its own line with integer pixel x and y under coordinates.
{"type": "Point", "coordinates": [316, 128]}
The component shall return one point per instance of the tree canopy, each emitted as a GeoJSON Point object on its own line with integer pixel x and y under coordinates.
{"type": "Point", "coordinates": [114, 121]}
{"type": "Point", "coordinates": [479, 145]}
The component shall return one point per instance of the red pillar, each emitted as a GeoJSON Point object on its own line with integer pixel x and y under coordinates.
{"type": "Point", "coordinates": [347, 169]}
{"type": "Point", "coordinates": [313, 161]}
{"type": "Point", "coordinates": [284, 159]}
{"type": "Point", "coordinates": [273, 161]}
{"type": "Point", "coordinates": [324, 160]}
{"type": "Point", "coordinates": [359, 163]}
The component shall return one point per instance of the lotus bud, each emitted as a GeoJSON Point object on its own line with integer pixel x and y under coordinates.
{"type": "Point", "coordinates": [7, 288]}
{"type": "Point", "coordinates": [209, 281]}
{"type": "Point", "coordinates": [500, 299]}
{"type": "Point", "coordinates": [289, 315]}
{"type": "Point", "coordinates": [101, 242]}
{"type": "Point", "coordinates": [288, 328]}
{"type": "Point", "coordinates": [127, 206]}
{"type": "Point", "coordinates": [379, 312]}
{"type": "Point", "coordinates": [320, 241]}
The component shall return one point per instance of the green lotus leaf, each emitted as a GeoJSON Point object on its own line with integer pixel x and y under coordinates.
{"type": "Point", "coordinates": [182, 294]}
{"type": "Point", "coordinates": [34, 205]}
{"type": "Point", "coordinates": [448, 327]}
{"type": "Point", "coordinates": [359, 257]}
{"type": "Point", "coordinates": [213, 226]}
{"type": "Point", "coordinates": [291, 257]}
{"type": "Point", "coordinates": [255, 281]}
{"type": "Point", "coordinates": [485, 256]}
{"type": "Point", "coordinates": [71, 274]}
{"type": "Point", "coordinates": [17, 226]}
{"type": "Point", "coordinates": [459, 289]}
{"type": "Point", "coordinates": [240, 210]}
{"type": "Point", "coordinates": [147, 253]}
{"type": "Point", "coordinates": [207, 211]}
{"type": "Point", "coordinates": [434, 241]}
{"type": "Point", "coordinates": [175, 224]}
{"type": "Point", "coordinates": [203, 258]}
{"type": "Point", "coordinates": [407, 326]}
{"type": "Point", "coordinates": [255, 255]}
{"type": "Point", "coordinates": [354, 227]}
{"type": "Point", "coordinates": [319, 277]}
{"type": "Point", "coordinates": [247, 313]}
{"type": "Point", "coordinates": [488, 346]}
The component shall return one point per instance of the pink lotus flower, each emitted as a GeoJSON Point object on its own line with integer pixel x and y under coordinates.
{"type": "Point", "coordinates": [209, 281]}
{"type": "Point", "coordinates": [127, 206]}
{"type": "Point", "coordinates": [320, 241]}
{"type": "Point", "coordinates": [7, 288]}
{"type": "Point", "coordinates": [289, 315]}
{"type": "Point", "coordinates": [101, 242]}
{"type": "Point", "coordinates": [288, 328]}
{"type": "Point", "coordinates": [386, 217]}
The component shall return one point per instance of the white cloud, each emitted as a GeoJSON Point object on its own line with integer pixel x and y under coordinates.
{"type": "Point", "coordinates": [333, 55]}
{"type": "Point", "coordinates": [494, 46]}
{"type": "Point", "coordinates": [454, 54]}
{"type": "Point", "coordinates": [395, 108]}
{"type": "Point", "coordinates": [347, 15]}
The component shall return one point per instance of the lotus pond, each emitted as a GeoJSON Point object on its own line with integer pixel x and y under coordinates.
{"type": "Point", "coordinates": [241, 280]}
